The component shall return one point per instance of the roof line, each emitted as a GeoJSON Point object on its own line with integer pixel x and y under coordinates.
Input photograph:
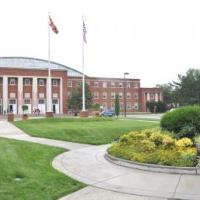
{"type": "Point", "coordinates": [39, 59]}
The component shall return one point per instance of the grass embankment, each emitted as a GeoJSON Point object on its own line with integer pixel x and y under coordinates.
{"type": "Point", "coordinates": [89, 131]}
{"type": "Point", "coordinates": [26, 172]}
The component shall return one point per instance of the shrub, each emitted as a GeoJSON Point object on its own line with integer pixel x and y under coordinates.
{"type": "Point", "coordinates": [183, 121]}
{"type": "Point", "coordinates": [184, 142]}
{"type": "Point", "coordinates": [155, 147]}
{"type": "Point", "coordinates": [148, 145]}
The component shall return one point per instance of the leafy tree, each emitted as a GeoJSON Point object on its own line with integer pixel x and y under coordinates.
{"type": "Point", "coordinates": [117, 107]}
{"type": "Point", "coordinates": [187, 88]}
{"type": "Point", "coordinates": [96, 106]}
{"type": "Point", "coordinates": [158, 107]}
{"type": "Point", "coordinates": [75, 100]}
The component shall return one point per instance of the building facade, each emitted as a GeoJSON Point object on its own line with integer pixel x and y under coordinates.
{"type": "Point", "coordinates": [24, 81]}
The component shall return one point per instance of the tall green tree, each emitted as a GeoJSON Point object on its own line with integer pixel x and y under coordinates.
{"type": "Point", "coordinates": [117, 107]}
{"type": "Point", "coordinates": [75, 99]}
{"type": "Point", "coordinates": [187, 88]}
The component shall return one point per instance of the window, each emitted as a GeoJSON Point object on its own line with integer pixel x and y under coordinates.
{"type": "Point", "coordinates": [41, 101]}
{"type": "Point", "coordinates": [69, 83]}
{"type": "Point", "coordinates": [78, 83]}
{"type": "Point", "coordinates": [104, 84]}
{"type": "Point", "coordinates": [41, 82]}
{"type": "Point", "coordinates": [54, 82]}
{"type": "Point", "coordinates": [128, 106]}
{"type": "Point", "coordinates": [128, 85]}
{"type": "Point", "coordinates": [55, 101]}
{"type": "Point", "coordinates": [112, 95]}
{"type": "Point", "coordinates": [55, 95]}
{"type": "Point", "coordinates": [120, 95]}
{"type": "Point", "coordinates": [152, 96]}
{"type": "Point", "coordinates": [12, 101]}
{"type": "Point", "coordinates": [41, 95]}
{"type": "Point", "coordinates": [136, 106]}
{"type": "Point", "coordinates": [104, 95]}
{"type": "Point", "coordinates": [12, 81]}
{"type": "Point", "coordinates": [27, 81]}
{"type": "Point", "coordinates": [112, 84]}
{"type": "Point", "coordinates": [135, 95]}
{"type": "Point", "coordinates": [27, 95]}
{"type": "Point", "coordinates": [88, 82]}
{"type": "Point", "coordinates": [120, 84]}
{"type": "Point", "coordinates": [96, 95]}
{"type": "Point", "coordinates": [96, 84]}
{"type": "Point", "coordinates": [27, 101]}
{"type": "Point", "coordinates": [121, 106]}
{"type": "Point", "coordinates": [136, 85]}
{"type": "Point", "coordinates": [128, 95]}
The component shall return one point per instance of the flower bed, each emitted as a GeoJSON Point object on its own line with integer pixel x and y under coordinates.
{"type": "Point", "coordinates": [155, 147]}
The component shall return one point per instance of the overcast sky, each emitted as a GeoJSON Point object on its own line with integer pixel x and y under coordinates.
{"type": "Point", "coordinates": [153, 40]}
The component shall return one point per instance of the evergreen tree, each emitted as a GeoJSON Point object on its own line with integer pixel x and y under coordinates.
{"type": "Point", "coordinates": [117, 107]}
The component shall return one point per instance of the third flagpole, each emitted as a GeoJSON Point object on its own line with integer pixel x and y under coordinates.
{"type": "Point", "coordinates": [49, 69]}
{"type": "Point", "coordinates": [83, 63]}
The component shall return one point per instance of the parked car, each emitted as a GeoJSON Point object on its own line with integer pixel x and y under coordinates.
{"type": "Point", "coordinates": [108, 113]}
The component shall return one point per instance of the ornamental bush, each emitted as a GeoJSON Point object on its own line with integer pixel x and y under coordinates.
{"type": "Point", "coordinates": [183, 122]}
{"type": "Point", "coordinates": [155, 146]}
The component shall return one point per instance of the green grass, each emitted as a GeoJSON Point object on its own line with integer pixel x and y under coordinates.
{"type": "Point", "coordinates": [31, 164]}
{"type": "Point", "coordinates": [89, 131]}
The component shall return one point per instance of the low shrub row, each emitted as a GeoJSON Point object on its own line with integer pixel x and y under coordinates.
{"type": "Point", "coordinates": [154, 146]}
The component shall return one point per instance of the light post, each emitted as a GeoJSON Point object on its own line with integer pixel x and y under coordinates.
{"type": "Point", "coordinates": [126, 73]}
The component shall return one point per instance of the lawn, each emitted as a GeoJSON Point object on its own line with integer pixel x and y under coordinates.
{"type": "Point", "coordinates": [89, 131]}
{"type": "Point", "coordinates": [26, 172]}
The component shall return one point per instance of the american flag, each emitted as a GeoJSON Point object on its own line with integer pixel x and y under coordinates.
{"type": "Point", "coordinates": [53, 26]}
{"type": "Point", "coordinates": [84, 32]}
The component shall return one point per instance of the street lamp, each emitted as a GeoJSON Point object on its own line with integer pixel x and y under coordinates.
{"type": "Point", "coordinates": [126, 73]}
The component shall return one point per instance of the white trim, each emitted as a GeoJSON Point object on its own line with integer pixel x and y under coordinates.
{"type": "Point", "coordinates": [20, 95]}
{"type": "Point", "coordinates": [5, 93]}
{"type": "Point", "coordinates": [61, 96]}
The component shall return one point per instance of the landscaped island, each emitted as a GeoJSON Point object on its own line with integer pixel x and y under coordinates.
{"type": "Point", "coordinates": [173, 144]}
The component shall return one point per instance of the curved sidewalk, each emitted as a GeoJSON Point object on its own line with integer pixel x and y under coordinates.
{"type": "Point", "coordinates": [89, 166]}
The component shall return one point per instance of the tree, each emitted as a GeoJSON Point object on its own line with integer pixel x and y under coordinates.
{"type": "Point", "coordinates": [117, 107]}
{"type": "Point", "coordinates": [187, 88]}
{"type": "Point", "coordinates": [75, 100]}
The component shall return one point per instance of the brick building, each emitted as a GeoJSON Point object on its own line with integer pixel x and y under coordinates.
{"type": "Point", "coordinates": [23, 81]}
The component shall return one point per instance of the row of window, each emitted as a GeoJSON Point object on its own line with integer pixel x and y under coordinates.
{"type": "Point", "coordinates": [106, 84]}
{"type": "Point", "coordinates": [129, 106]}
{"type": "Point", "coordinates": [28, 81]}
{"type": "Point", "coordinates": [28, 95]}
{"type": "Point", "coordinates": [28, 101]}
{"type": "Point", "coordinates": [96, 95]}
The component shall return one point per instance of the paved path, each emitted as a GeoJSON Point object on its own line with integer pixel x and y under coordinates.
{"type": "Point", "coordinates": [88, 165]}
{"type": "Point", "coordinates": [108, 181]}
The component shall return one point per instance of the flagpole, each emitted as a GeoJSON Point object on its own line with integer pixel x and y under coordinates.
{"type": "Point", "coordinates": [83, 69]}
{"type": "Point", "coordinates": [49, 69]}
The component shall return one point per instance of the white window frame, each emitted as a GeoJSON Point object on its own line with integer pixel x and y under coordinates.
{"type": "Point", "coordinates": [55, 82]}
{"type": "Point", "coordinates": [12, 81]}
{"type": "Point", "coordinates": [69, 83]}
{"type": "Point", "coordinates": [96, 84]}
{"type": "Point", "coordinates": [41, 82]}
{"type": "Point", "coordinates": [105, 95]}
{"type": "Point", "coordinates": [27, 83]}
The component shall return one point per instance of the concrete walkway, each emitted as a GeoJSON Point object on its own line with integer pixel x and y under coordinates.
{"type": "Point", "coordinates": [88, 165]}
{"type": "Point", "coordinates": [107, 181]}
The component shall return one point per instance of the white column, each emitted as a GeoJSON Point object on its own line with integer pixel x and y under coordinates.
{"type": "Point", "coordinates": [49, 96]}
{"type": "Point", "coordinates": [34, 94]}
{"type": "Point", "coordinates": [148, 97]}
{"type": "Point", "coordinates": [20, 94]}
{"type": "Point", "coordinates": [5, 93]}
{"type": "Point", "coordinates": [156, 97]}
{"type": "Point", "coordinates": [61, 96]}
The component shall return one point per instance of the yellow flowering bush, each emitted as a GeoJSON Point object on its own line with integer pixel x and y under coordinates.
{"type": "Point", "coordinates": [155, 147]}
{"type": "Point", "coordinates": [184, 142]}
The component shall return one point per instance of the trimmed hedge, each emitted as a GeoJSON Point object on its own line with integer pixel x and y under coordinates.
{"type": "Point", "coordinates": [184, 122]}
